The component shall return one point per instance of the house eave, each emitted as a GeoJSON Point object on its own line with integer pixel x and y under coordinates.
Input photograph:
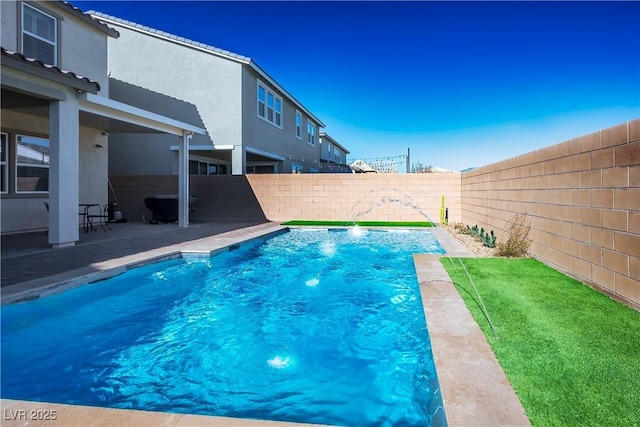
{"type": "Point", "coordinates": [333, 141]}
{"type": "Point", "coordinates": [86, 18]}
{"type": "Point", "coordinates": [202, 47]}
{"type": "Point", "coordinates": [290, 97]}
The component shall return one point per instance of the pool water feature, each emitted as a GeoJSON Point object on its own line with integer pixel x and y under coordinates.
{"type": "Point", "coordinates": [317, 326]}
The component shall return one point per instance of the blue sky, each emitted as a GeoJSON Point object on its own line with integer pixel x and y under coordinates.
{"type": "Point", "coordinates": [462, 84]}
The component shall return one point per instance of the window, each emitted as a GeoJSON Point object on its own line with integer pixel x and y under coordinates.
{"type": "Point", "coordinates": [269, 106]}
{"type": "Point", "coordinates": [197, 167]}
{"type": "Point", "coordinates": [329, 149]}
{"type": "Point", "coordinates": [311, 133]}
{"type": "Point", "coordinates": [298, 125]}
{"type": "Point", "coordinates": [336, 154]}
{"type": "Point", "coordinates": [32, 164]}
{"type": "Point", "coordinates": [262, 101]}
{"type": "Point", "coordinates": [38, 35]}
{"type": "Point", "coordinates": [4, 171]}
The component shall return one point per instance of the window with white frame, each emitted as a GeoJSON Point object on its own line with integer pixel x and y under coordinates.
{"type": "Point", "coordinates": [4, 169]}
{"type": "Point", "coordinates": [329, 149]}
{"type": "Point", "coordinates": [39, 35]}
{"type": "Point", "coordinates": [311, 133]}
{"type": "Point", "coordinates": [269, 106]}
{"type": "Point", "coordinates": [32, 164]}
{"type": "Point", "coordinates": [298, 125]}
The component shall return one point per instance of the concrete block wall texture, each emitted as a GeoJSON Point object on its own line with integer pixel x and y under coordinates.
{"type": "Point", "coordinates": [331, 197]}
{"type": "Point", "coordinates": [362, 197]}
{"type": "Point", "coordinates": [582, 199]}
{"type": "Point", "coordinates": [222, 198]}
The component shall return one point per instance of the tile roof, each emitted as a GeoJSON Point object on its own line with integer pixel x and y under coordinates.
{"type": "Point", "coordinates": [65, 5]}
{"type": "Point", "coordinates": [37, 64]}
{"type": "Point", "coordinates": [214, 49]}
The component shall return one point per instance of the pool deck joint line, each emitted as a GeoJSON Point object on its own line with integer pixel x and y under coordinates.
{"type": "Point", "coordinates": [474, 388]}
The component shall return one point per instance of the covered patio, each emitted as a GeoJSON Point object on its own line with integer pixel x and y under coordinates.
{"type": "Point", "coordinates": [73, 121]}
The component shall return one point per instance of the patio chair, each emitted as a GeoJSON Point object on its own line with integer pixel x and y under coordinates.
{"type": "Point", "coordinates": [102, 217]}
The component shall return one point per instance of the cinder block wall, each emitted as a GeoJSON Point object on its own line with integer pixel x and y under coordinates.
{"type": "Point", "coordinates": [221, 198]}
{"type": "Point", "coordinates": [364, 197]}
{"type": "Point", "coordinates": [582, 198]}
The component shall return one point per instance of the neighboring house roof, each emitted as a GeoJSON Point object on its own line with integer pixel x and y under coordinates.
{"type": "Point", "coordinates": [36, 67]}
{"type": "Point", "coordinates": [333, 141]}
{"type": "Point", "coordinates": [85, 17]}
{"type": "Point", "coordinates": [209, 49]}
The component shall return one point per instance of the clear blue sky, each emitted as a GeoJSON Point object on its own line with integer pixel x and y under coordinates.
{"type": "Point", "coordinates": [462, 84]}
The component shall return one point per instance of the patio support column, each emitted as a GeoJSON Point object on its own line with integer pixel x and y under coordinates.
{"type": "Point", "coordinates": [238, 160]}
{"type": "Point", "coordinates": [183, 180]}
{"type": "Point", "coordinates": [64, 163]}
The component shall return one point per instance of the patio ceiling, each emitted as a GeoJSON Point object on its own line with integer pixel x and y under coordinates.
{"type": "Point", "coordinates": [101, 113]}
{"type": "Point", "coordinates": [114, 116]}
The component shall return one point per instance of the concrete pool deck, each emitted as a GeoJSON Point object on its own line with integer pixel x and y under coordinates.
{"type": "Point", "coordinates": [474, 387]}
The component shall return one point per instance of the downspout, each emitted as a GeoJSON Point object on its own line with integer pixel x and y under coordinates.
{"type": "Point", "coordinates": [183, 180]}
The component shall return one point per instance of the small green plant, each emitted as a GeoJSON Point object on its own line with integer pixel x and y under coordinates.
{"type": "Point", "coordinates": [517, 243]}
{"type": "Point", "coordinates": [489, 240]}
{"type": "Point", "coordinates": [480, 234]}
{"type": "Point", "coordinates": [443, 213]}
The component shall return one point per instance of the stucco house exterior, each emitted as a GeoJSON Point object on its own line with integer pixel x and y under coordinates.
{"type": "Point", "coordinates": [332, 154]}
{"type": "Point", "coordinates": [56, 118]}
{"type": "Point", "coordinates": [254, 124]}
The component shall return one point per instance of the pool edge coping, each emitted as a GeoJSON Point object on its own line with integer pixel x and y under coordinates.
{"type": "Point", "coordinates": [46, 286]}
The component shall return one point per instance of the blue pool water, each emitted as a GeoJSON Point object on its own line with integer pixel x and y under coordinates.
{"type": "Point", "coordinates": [318, 326]}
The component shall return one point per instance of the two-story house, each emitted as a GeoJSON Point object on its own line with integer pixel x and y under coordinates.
{"type": "Point", "coordinates": [56, 115]}
{"type": "Point", "coordinates": [255, 125]}
{"type": "Point", "coordinates": [333, 155]}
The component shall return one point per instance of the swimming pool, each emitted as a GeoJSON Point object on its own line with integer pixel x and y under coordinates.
{"type": "Point", "coordinates": [322, 326]}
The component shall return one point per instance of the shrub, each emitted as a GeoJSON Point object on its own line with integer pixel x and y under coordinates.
{"type": "Point", "coordinates": [460, 228]}
{"type": "Point", "coordinates": [517, 243]}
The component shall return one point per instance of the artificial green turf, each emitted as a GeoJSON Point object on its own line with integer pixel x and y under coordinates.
{"type": "Point", "coordinates": [571, 353]}
{"type": "Point", "coordinates": [360, 223]}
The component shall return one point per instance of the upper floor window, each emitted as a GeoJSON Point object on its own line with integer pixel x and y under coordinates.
{"type": "Point", "coordinates": [269, 106]}
{"type": "Point", "coordinates": [311, 133]}
{"type": "Point", "coordinates": [32, 164]}
{"type": "Point", "coordinates": [329, 148]}
{"type": "Point", "coordinates": [336, 153]}
{"type": "Point", "coordinates": [39, 35]}
{"type": "Point", "coordinates": [4, 171]}
{"type": "Point", "coordinates": [298, 125]}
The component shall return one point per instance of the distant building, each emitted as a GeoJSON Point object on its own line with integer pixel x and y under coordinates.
{"type": "Point", "coordinates": [333, 156]}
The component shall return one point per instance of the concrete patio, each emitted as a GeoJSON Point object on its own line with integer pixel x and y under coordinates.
{"type": "Point", "coordinates": [474, 387]}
